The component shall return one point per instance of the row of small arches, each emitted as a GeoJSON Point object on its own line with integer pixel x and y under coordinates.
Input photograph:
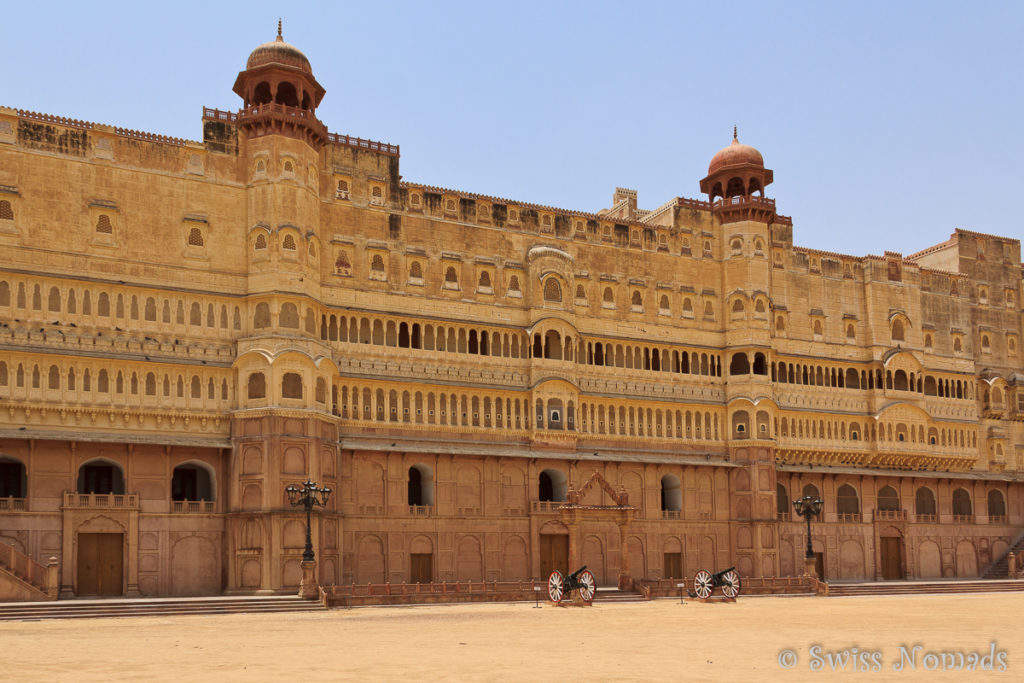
{"type": "Point", "coordinates": [191, 480]}
{"type": "Point", "coordinates": [441, 408]}
{"type": "Point", "coordinates": [291, 387]}
{"type": "Point", "coordinates": [149, 309]}
{"type": "Point", "coordinates": [117, 382]}
{"type": "Point", "coordinates": [803, 428]}
{"type": "Point", "coordinates": [613, 419]}
{"type": "Point", "coordinates": [851, 378]}
{"type": "Point", "coordinates": [847, 500]}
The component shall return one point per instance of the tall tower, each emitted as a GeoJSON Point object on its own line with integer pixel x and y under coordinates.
{"type": "Point", "coordinates": [735, 187]}
{"type": "Point", "coordinates": [282, 430]}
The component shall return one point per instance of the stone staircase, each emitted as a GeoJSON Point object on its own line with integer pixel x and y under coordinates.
{"type": "Point", "coordinates": [999, 568]}
{"type": "Point", "coordinates": [147, 607]}
{"type": "Point", "coordinates": [22, 578]}
{"type": "Point", "coordinates": [837, 590]}
{"type": "Point", "coordinates": [611, 594]}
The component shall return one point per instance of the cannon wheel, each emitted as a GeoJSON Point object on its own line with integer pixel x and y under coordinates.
{"type": "Point", "coordinates": [555, 591]}
{"type": "Point", "coordinates": [703, 584]}
{"type": "Point", "coordinates": [731, 583]}
{"type": "Point", "coordinates": [588, 586]}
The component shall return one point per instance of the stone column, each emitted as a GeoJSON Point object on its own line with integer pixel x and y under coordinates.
{"type": "Point", "coordinates": [308, 588]}
{"type": "Point", "coordinates": [625, 579]}
{"type": "Point", "coordinates": [53, 584]}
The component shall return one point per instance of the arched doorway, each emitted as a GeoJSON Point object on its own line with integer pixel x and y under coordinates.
{"type": "Point", "coordinates": [890, 555]}
{"type": "Point", "coordinates": [554, 549]}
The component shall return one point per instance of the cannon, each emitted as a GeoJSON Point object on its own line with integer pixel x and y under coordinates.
{"type": "Point", "coordinates": [582, 580]}
{"type": "Point", "coordinates": [704, 583]}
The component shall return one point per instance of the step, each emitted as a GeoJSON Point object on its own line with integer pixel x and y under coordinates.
{"type": "Point", "coordinates": [924, 587]}
{"type": "Point", "coordinates": [616, 595]}
{"type": "Point", "coordinates": [72, 609]}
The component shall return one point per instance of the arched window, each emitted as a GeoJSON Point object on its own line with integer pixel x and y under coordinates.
{"type": "Point", "coordinates": [195, 238]}
{"type": "Point", "coordinates": [888, 499]}
{"type": "Point", "coordinates": [288, 242]}
{"type": "Point", "coordinates": [780, 324]}
{"type": "Point", "coordinates": [781, 501]}
{"type": "Point", "coordinates": [192, 482]}
{"type": "Point", "coordinates": [671, 493]}
{"type": "Point", "coordinates": [289, 316]}
{"type": "Point", "coordinates": [996, 506]}
{"type": "Point", "coordinates": [851, 333]}
{"type": "Point", "coordinates": [962, 503]}
{"type": "Point", "coordinates": [257, 385]}
{"type": "Point", "coordinates": [377, 263]}
{"type": "Point", "coordinates": [261, 318]}
{"type": "Point", "coordinates": [450, 276]}
{"type": "Point", "coordinates": [637, 301]}
{"type": "Point", "coordinates": [100, 477]}
{"type": "Point", "coordinates": [847, 502]}
{"type": "Point", "coordinates": [420, 485]}
{"type": "Point", "coordinates": [553, 485]}
{"type": "Point", "coordinates": [6, 212]}
{"type": "Point", "coordinates": [811, 491]}
{"type": "Point", "coordinates": [13, 480]}
{"type": "Point", "coordinates": [897, 330]}
{"type": "Point", "coordinates": [513, 283]}
{"type": "Point", "coordinates": [737, 307]}
{"type": "Point", "coordinates": [416, 271]}
{"type": "Point", "coordinates": [291, 385]}
{"type": "Point", "coordinates": [924, 501]}
{"type": "Point", "coordinates": [261, 241]}
{"type": "Point", "coordinates": [552, 290]}
{"type": "Point", "coordinates": [103, 224]}
{"type": "Point", "coordinates": [485, 280]}
{"type": "Point", "coordinates": [739, 365]}
{"type": "Point", "coordinates": [608, 297]}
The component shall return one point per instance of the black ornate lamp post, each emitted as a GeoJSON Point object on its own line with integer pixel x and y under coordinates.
{"type": "Point", "coordinates": [808, 507]}
{"type": "Point", "coordinates": [309, 496]}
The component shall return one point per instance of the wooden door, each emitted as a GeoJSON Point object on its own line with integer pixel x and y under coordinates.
{"type": "Point", "coordinates": [819, 565]}
{"type": "Point", "coordinates": [421, 567]}
{"type": "Point", "coordinates": [554, 554]}
{"type": "Point", "coordinates": [100, 564]}
{"type": "Point", "coordinates": [890, 551]}
{"type": "Point", "coordinates": [673, 566]}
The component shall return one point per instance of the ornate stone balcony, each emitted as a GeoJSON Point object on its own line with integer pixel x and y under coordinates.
{"type": "Point", "coordinates": [11, 504]}
{"type": "Point", "coordinates": [101, 501]}
{"type": "Point", "coordinates": [193, 507]}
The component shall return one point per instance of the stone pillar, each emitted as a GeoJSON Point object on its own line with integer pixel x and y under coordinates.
{"type": "Point", "coordinates": [52, 582]}
{"type": "Point", "coordinates": [809, 568]}
{"type": "Point", "coordinates": [309, 589]}
{"type": "Point", "coordinates": [625, 579]}
{"type": "Point", "coordinates": [1011, 565]}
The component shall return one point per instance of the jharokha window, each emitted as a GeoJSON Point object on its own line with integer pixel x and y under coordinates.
{"type": "Point", "coordinates": [552, 290]}
{"type": "Point", "coordinates": [103, 224]}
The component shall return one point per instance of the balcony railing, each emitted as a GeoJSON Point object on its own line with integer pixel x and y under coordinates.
{"type": "Point", "coordinates": [963, 519]}
{"type": "Point", "coordinates": [671, 514]}
{"type": "Point", "coordinates": [12, 505]}
{"type": "Point", "coordinates": [109, 501]}
{"type": "Point", "coordinates": [545, 505]}
{"type": "Point", "coordinates": [997, 519]}
{"type": "Point", "coordinates": [785, 516]}
{"type": "Point", "coordinates": [922, 518]}
{"type": "Point", "coordinates": [848, 517]}
{"type": "Point", "coordinates": [192, 506]}
{"type": "Point", "coordinates": [891, 515]}
{"type": "Point", "coordinates": [421, 510]}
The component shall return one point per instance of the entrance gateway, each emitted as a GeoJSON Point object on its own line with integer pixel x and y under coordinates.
{"type": "Point", "coordinates": [100, 564]}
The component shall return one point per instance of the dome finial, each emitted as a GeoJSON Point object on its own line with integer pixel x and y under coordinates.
{"type": "Point", "coordinates": [734, 138]}
{"type": "Point", "coordinates": [280, 39]}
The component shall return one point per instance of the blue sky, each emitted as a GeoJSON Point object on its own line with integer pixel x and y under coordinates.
{"type": "Point", "coordinates": [887, 124]}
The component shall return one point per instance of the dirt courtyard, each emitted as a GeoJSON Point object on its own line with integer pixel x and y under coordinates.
{"type": "Point", "coordinates": [659, 640]}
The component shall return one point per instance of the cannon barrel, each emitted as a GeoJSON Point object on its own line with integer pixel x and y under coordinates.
{"type": "Point", "coordinates": [575, 575]}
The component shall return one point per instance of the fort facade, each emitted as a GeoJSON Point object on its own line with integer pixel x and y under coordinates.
{"type": "Point", "coordinates": [492, 388]}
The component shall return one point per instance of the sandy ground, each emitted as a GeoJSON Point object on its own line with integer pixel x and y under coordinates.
{"type": "Point", "coordinates": [660, 640]}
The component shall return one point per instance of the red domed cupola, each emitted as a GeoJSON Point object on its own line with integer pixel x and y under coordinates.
{"type": "Point", "coordinates": [735, 174]}
{"type": "Point", "coordinates": [280, 93]}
